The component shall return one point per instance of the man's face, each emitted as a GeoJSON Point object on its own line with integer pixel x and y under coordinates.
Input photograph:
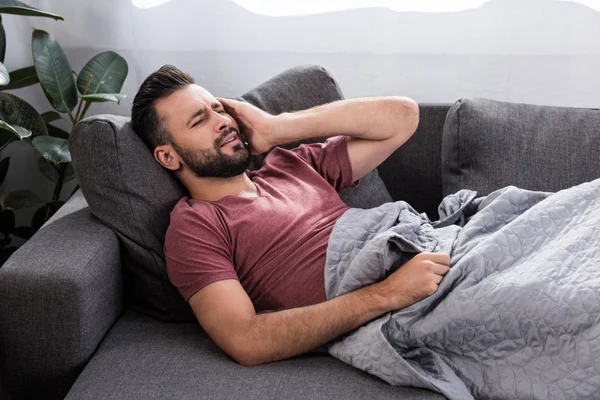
{"type": "Point", "coordinates": [205, 137]}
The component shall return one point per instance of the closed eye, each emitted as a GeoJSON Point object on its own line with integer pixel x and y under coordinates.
{"type": "Point", "coordinates": [222, 111]}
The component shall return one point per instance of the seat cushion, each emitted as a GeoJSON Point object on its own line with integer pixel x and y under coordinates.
{"type": "Point", "coordinates": [129, 191]}
{"type": "Point", "coordinates": [490, 144]}
{"type": "Point", "coordinates": [142, 358]}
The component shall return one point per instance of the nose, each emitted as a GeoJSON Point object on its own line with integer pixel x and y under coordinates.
{"type": "Point", "coordinates": [223, 122]}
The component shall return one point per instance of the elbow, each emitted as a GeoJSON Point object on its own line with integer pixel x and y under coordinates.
{"type": "Point", "coordinates": [244, 358]}
{"type": "Point", "coordinates": [406, 111]}
{"type": "Point", "coordinates": [246, 355]}
{"type": "Point", "coordinates": [410, 111]}
{"type": "Point", "coordinates": [248, 362]}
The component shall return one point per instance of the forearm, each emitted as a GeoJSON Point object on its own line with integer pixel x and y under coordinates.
{"type": "Point", "coordinates": [283, 334]}
{"type": "Point", "coordinates": [375, 118]}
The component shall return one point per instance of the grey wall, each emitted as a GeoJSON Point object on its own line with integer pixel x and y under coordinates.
{"type": "Point", "coordinates": [533, 51]}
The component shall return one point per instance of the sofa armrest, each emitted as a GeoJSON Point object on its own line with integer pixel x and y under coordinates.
{"type": "Point", "coordinates": [59, 295]}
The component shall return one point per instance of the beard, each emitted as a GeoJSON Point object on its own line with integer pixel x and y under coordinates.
{"type": "Point", "coordinates": [214, 163]}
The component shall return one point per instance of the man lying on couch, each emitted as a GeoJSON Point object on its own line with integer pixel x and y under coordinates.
{"type": "Point", "coordinates": [273, 263]}
{"type": "Point", "coordinates": [247, 242]}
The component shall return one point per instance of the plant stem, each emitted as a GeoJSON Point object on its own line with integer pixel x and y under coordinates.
{"type": "Point", "coordinates": [71, 118]}
{"type": "Point", "coordinates": [87, 85]}
{"type": "Point", "coordinates": [78, 110]}
{"type": "Point", "coordinates": [62, 168]}
{"type": "Point", "coordinates": [87, 105]}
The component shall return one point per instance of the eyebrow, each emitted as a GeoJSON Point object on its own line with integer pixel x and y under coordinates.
{"type": "Point", "coordinates": [201, 111]}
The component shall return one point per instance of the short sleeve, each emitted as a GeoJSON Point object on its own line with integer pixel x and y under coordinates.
{"type": "Point", "coordinates": [197, 250]}
{"type": "Point", "coordinates": [331, 160]}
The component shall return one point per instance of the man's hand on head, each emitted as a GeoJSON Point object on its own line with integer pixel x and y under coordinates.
{"type": "Point", "coordinates": [255, 124]}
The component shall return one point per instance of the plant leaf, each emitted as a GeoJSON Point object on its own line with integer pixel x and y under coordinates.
{"type": "Point", "coordinates": [15, 111]}
{"type": "Point", "coordinates": [2, 41]}
{"type": "Point", "coordinates": [102, 97]}
{"type": "Point", "coordinates": [55, 150]}
{"type": "Point", "coordinates": [4, 164]}
{"type": "Point", "coordinates": [17, 130]}
{"type": "Point", "coordinates": [22, 199]}
{"type": "Point", "coordinates": [53, 71]}
{"type": "Point", "coordinates": [108, 71]}
{"type": "Point", "coordinates": [47, 169]}
{"type": "Point", "coordinates": [55, 131]}
{"type": "Point", "coordinates": [21, 78]}
{"type": "Point", "coordinates": [16, 7]}
{"type": "Point", "coordinates": [50, 116]}
{"type": "Point", "coordinates": [50, 171]}
{"type": "Point", "coordinates": [4, 76]}
{"type": "Point", "coordinates": [7, 221]}
{"type": "Point", "coordinates": [69, 173]}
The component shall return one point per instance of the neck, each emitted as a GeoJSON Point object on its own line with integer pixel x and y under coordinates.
{"type": "Point", "coordinates": [213, 189]}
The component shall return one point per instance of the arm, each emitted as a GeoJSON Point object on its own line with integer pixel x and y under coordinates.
{"type": "Point", "coordinates": [228, 316]}
{"type": "Point", "coordinates": [376, 126]}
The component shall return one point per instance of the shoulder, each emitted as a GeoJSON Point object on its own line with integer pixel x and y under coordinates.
{"type": "Point", "coordinates": [189, 214]}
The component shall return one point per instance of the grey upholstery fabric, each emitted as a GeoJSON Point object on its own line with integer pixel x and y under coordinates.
{"type": "Point", "coordinates": [129, 191]}
{"type": "Point", "coordinates": [145, 359]}
{"type": "Point", "coordinates": [59, 295]}
{"type": "Point", "coordinates": [413, 173]}
{"type": "Point", "coordinates": [75, 203]}
{"type": "Point", "coordinates": [491, 144]}
{"type": "Point", "coordinates": [370, 193]}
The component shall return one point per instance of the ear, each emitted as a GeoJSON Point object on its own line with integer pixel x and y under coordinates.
{"type": "Point", "coordinates": [166, 156]}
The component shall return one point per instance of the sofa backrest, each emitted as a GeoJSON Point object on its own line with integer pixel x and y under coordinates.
{"type": "Point", "coordinates": [414, 172]}
{"type": "Point", "coordinates": [490, 144]}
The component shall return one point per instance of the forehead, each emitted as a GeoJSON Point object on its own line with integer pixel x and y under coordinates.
{"type": "Point", "coordinates": [177, 108]}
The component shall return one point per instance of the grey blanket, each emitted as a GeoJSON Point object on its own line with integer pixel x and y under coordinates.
{"type": "Point", "coordinates": [518, 314]}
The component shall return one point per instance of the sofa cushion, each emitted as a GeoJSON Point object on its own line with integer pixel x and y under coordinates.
{"type": "Point", "coordinates": [491, 144]}
{"type": "Point", "coordinates": [129, 191]}
{"type": "Point", "coordinates": [142, 358]}
{"type": "Point", "coordinates": [413, 173]}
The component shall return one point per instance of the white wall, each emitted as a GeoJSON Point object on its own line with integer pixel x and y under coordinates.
{"type": "Point", "coordinates": [533, 51]}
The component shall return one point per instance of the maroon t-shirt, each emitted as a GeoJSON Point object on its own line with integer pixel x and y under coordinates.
{"type": "Point", "coordinates": [274, 244]}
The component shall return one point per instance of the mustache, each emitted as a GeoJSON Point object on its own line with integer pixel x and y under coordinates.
{"type": "Point", "coordinates": [227, 133]}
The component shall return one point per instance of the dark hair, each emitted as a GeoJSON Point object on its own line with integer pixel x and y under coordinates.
{"type": "Point", "coordinates": [145, 121]}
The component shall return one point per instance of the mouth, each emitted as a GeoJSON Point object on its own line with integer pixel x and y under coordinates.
{"type": "Point", "coordinates": [232, 137]}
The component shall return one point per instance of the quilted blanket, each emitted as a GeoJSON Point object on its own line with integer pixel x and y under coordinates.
{"type": "Point", "coordinates": [518, 314]}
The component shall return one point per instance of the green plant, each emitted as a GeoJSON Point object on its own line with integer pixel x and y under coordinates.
{"type": "Point", "coordinates": [9, 203]}
{"type": "Point", "coordinates": [70, 94]}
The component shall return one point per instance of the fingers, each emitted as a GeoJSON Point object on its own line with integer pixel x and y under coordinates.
{"type": "Point", "coordinates": [440, 258]}
{"type": "Point", "coordinates": [439, 269]}
{"type": "Point", "coordinates": [229, 105]}
{"type": "Point", "coordinates": [438, 263]}
{"type": "Point", "coordinates": [227, 102]}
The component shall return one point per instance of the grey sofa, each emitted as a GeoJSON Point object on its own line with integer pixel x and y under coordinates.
{"type": "Point", "coordinates": [84, 309]}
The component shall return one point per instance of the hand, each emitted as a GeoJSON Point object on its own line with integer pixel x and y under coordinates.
{"type": "Point", "coordinates": [415, 280]}
{"type": "Point", "coordinates": [255, 124]}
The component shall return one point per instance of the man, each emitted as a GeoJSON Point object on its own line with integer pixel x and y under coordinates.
{"type": "Point", "coordinates": [247, 242]}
